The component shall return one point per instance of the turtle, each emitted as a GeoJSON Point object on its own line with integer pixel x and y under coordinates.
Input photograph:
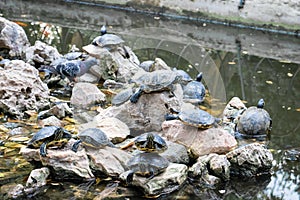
{"type": "Point", "coordinates": [155, 81]}
{"type": "Point", "coordinates": [150, 142]}
{"type": "Point", "coordinates": [49, 136]}
{"type": "Point", "coordinates": [193, 116]}
{"type": "Point", "coordinates": [108, 41]}
{"type": "Point", "coordinates": [186, 78]}
{"type": "Point", "coordinates": [194, 91]}
{"type": "Point", "coordinates": [92, 137]}
{"type": "Point", "coordinates": [146, 164]}
{"type": "Point", "coordinates": [122, 96]}
{"type": "Point", "coordinates": [255, 120]}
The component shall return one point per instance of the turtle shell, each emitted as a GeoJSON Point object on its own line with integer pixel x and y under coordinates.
{"type": "Point", "coordinates": [52, 134]}
{"type": "Point", "coordinates": [108, 40]}
{"type": "Point", "coordinates": [156, 81]}
{"type": "Point", "coordinates": [150, 142]}
{"type": "Point", "coordinates": [194, 92]}
{"type": "Point", "coordinates": [145, 164]}
{"type": "Point", "coordinates": [194, 116]}
{"type": "Point", "coordinates": [122, 97]}
{"type": "Point", "coordinates": [94, 137]}
{"type": "Point", "coordinates": [254, 121]}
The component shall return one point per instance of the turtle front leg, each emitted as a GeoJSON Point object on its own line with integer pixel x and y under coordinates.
{"type": "Point", "coordinates": [43, 151]}
{"type": "Point", "coordinates": [76, 145]}
{"type": "Point", "coordinates": [129, 177]}
{"type": "Point", "coordinates": [135, 97]}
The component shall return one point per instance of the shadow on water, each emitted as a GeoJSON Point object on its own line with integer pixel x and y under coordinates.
{"type": "Point", "coordinates": [229, 58]}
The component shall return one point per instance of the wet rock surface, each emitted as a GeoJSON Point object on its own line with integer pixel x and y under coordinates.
{"type": "Point", "coordinates": [21, 89]}
{"type": "Point", "coordinates": [250, 160]}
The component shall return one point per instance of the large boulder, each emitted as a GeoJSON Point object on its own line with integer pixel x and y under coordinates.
{"type": "Point", "coordinates": [250, 160]}
{"type": "Point", "coordinates": [12, 38]}
{"type": "Point", "coordinates": [21, 89]}
{"type": "Point", "coordinates": [64, 163]}
{"type": "Point", "coordinates": [200, 142]}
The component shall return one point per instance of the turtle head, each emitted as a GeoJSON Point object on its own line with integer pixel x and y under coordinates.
{"type": "Point", "coordinates": [199, 77]}
{"type": "Point", "coordinates": [260, 103]}
{"type": "Point", "coordinates": [103, 30]}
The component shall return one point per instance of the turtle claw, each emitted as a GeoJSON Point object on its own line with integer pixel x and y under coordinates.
{"type": "Point", "coordinates": [76, 145]}
{"type": "Point", "coordinates": [43, 151]}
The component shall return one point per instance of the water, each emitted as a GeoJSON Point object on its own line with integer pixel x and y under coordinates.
{"type": "Point", "coordinates": [236, 62]}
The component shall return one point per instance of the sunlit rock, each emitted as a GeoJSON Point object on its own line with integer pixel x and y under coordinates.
{"type": "Point", "coordinates": [64, 163]}
{"type": "Point", "coordinates": [59, 110]}
{"type": "Point", "coordinates": [159, 64]}
{"type": "Point", "coordinates": [116, 130]}
{"type": "Point", "coordinates": [250, 160]}
{"type": "Point", "coordinates": [37, 177]}
{"type": "Point", "coordinates": [107, 161]}
{"type": "Point", "coordinates": [41, 54]}
{"type": "Point", "coordinates": [12, 38]}
{"type": "Point", "coordinates": [21, 89]}
{"type": "Point", "coordinates": [50, 121]}
{"type": "Point", "coordinates": [200, 142]}
{"type": "Point", "coordinates": [86, 94]}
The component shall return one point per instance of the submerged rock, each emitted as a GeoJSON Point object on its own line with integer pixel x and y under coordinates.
{"type": "Point", "coordinates": [250, 160]}
{"type": "Point", "coordinates": [13, 38]}
{"type": "Point", "coordinates": [21, 89]}
{"type": "Point", "coordinates": [200, 142]}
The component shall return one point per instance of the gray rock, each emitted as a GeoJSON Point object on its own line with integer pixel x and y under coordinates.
{"type": "Point", "coordinates": [88, 77]}
{"type": "Point", "coordinates": [13, 38]}
{"type": "Point", "coordinates": [42, 54]}
{"type": "Point", "coordinates": [60, 110]}
{"type": "Point", "coordinates": [250, 160]}
{"type": "Point", "coordinates": [176, 153]}
{"type": "Point", "coordinates": [64, 163]}
{"type": "Point", "coordinates": [200, 142]}
{"type": "Point", "coordinates": [220, 166]}
{"type": "Point", "coordinates": [144, 116]}
{"type": "Point", "coordinates": [37, 177]}
{"type": "Point", "coordinates": [86, 94]}
{"type": "Point", "coordinates": [108, 161]}
{"type": "Point", "coordinates": [51, 121]}
{"type": "Point", "coordinates": [168, 181]}
{"type": "Point", "coordinates": [159, 64]}
{"type": "Point", "coordinates": [199, 172]}
{"type": "Point", "coordinates": [116, 130]}
{"type": "Point", "coordinates": [21, 89]}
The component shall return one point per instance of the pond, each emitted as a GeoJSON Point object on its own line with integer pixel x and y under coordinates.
{"type": "Point", "coordinates": [246, 63]}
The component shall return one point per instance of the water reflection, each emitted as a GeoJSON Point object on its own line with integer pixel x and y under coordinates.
{"type": "Point", "coordinates": [244, 75]}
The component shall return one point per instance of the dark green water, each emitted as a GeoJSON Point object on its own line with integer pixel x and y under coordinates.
{"type": "Point", "coordinates": [228, 72]}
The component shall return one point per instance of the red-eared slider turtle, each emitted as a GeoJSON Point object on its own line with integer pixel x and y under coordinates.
{"type": "Point", "coordinates": [255, 120]}
{"type": "Point", "coordinates": [194, 91]}
{"type": "Point", "coordinates": [146, 164]}
{"type": "Point", "coordinates": [155, 81]}
{"type": "Point", "coordinates": [150, 142]}
{"type": "Point", "coordinates": [92, 137]}
{"type": "Point", "coordinates": [49, 136]}
{"type": "Point", "coordinates": [194, 116]}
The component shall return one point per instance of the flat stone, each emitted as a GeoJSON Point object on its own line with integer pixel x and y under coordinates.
{"type": "Point", "coordinates": [250, 160]}
{"type": "Point", "coordinates": [108, 161]}
{"type": "Point", "coordinates": [200, 142]}
{"type": "Point", "coordinates": [86, 94]}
